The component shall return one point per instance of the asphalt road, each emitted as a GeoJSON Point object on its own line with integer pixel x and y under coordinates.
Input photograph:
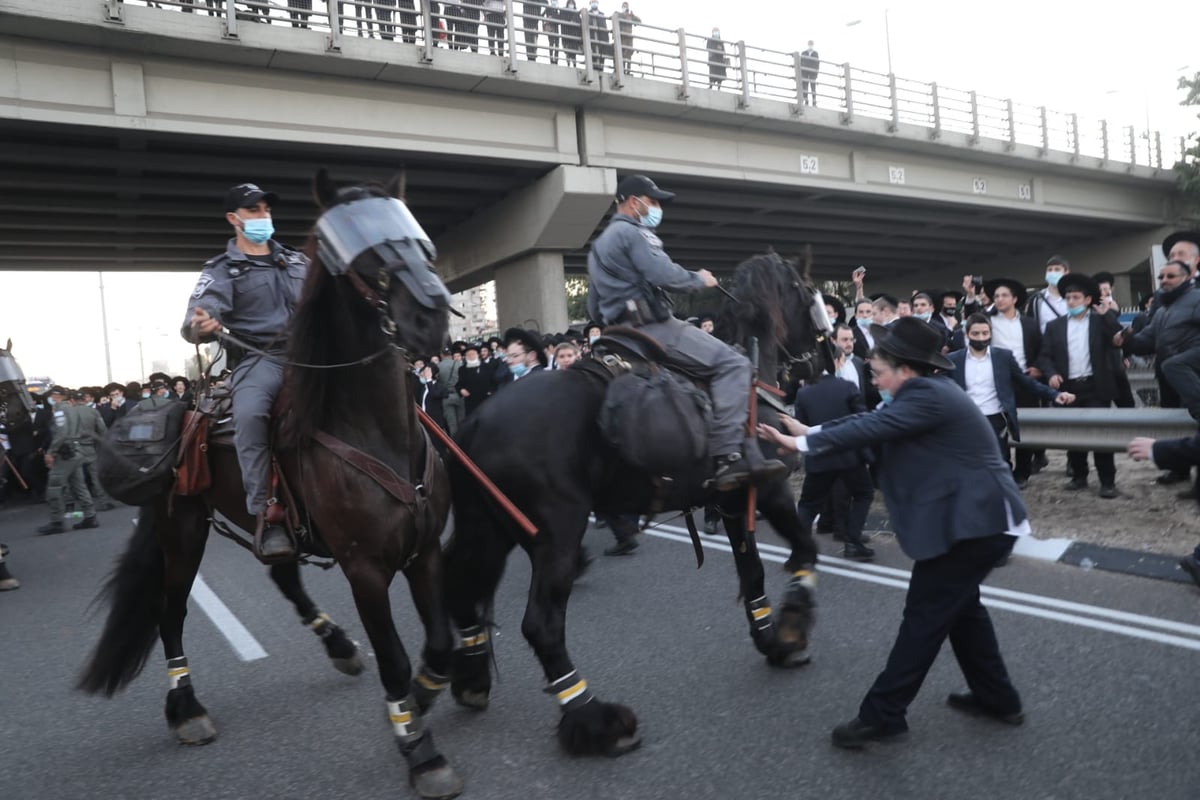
{"type": "Point", "coordinates": [1107, 666]}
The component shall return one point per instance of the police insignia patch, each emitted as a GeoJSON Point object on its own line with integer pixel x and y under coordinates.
{"type": "Point", "coordinates": [202, 284]}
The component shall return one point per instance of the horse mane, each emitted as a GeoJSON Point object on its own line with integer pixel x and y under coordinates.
{"type": "Point", "coordinates": [331, 325]}
{"type": "Point", "coordinates": [760, 283]}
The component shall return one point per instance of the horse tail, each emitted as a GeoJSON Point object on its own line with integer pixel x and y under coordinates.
{"type": "Point", "coordinates": [134, 592]}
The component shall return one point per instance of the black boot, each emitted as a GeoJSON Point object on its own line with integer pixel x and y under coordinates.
{"type": "Point", "coordinates": [51, 527]}
{"type": "Point", "coordinates": [733, 469]}
{"type": "Point", "coordinates": [272, 544]}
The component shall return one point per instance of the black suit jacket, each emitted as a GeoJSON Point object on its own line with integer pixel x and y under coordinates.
{"type": "Point", "coordinates": [938, 492]}
{"type": "Point", "coordinates": [861, 348]}
{"type": "Point", "coordinates": [1008, 375]}
{"type": "Point", "coordinates": [869, 393]}
{"type": "Point", "coordinates": [1101, 329]}
{"type": "Point", "coordinates": [828, 399]}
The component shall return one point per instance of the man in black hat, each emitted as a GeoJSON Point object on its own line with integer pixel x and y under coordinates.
{"type": "Point", "coordinates": [1077, 357]}
{"type": "Point", "coordinates": [968, 519]}
{"type": "Point", "coordinates": [1184, 246]}
{"type": "Point", "coordinates": [474, 380]}
{"type": "Point", "coordinates": [523, 353]}
{"type": "Point", "coordinates": [251, 289]}
{"type": "Point", "coordinates": [706, 322]}
{"type": "Point", "coordinates": [629, 276]}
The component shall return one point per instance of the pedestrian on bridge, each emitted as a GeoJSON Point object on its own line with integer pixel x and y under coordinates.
{"type": "Point", "coordinates": [956, 511]}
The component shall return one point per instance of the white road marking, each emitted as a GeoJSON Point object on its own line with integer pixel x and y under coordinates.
{"type": "Point", "coordinates": [240, 639]}
{"type": "Point", "coordinates": [993, 597]}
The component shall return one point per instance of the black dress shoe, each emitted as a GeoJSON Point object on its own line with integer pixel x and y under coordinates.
{"type": "Point", "coordinates": [1076, 484]}
{"type": "Point", "coordinates": [51, 528]}
{"type": "Point", "coordinates": [1022, 483]}
{"type": "Point", "coordinates": [858, 552]}
{"type": "Point", "coordinates": [966, 703]}
{"type": "Point", "coordinates": [1039, 464]}
{"type": "Point", "coordinates": [1170, 478]}
{"type": "Point", "coordinates": [86, 522]}
{"type": "Point", "coordinates": [855, 734]}
{"type": "Point", "coordinates": [623, 547]}
{"type": "Point", "coordinates": [1109, 492]}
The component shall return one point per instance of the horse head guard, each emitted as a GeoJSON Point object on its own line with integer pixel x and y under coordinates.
{"type": "Point", "coordinates": [12, 385]}
{"type": "Point", "coordinates": [384, 226]}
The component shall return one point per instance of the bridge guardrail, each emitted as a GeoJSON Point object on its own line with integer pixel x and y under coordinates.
{"type": "Point", "coordinates": [671, 55]}
{"type": "Point", "coordinates": [1106, 430]}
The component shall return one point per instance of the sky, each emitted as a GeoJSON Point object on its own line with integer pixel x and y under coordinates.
{"type": "Point", "coordinates": [1068, 55]}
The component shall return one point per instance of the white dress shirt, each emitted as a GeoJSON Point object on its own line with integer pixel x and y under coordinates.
{"type": "Point", "coordinates": [849, 372]}
{"type": "Point", "coordinates": [1044, 315]}
{"type": "Point", "coordinates": [1007, 333]}
{"type": "Point", "coordinates": [1079, 356]}
{"type": "Point", "coordinates": [980, 379]}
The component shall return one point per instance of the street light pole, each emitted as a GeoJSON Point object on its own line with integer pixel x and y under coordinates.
{"type": "Point", "coordinates": [887, 34]}
{"type": "Point", "coordinates": [104, 324]}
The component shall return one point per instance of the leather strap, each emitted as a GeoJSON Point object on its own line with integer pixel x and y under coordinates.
{"type": "Point", "coordinates": [370, 466]}
{"type": "Point", "coordinates": [695, 534]}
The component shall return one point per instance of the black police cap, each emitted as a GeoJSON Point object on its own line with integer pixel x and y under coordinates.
{"type": "Point", "coordinates": [247, 195]}
{"type": "Point", "coordinates": [641, 186]}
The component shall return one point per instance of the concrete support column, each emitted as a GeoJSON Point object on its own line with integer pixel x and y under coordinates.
{"type": "Point", "coordinates": [531, 293]}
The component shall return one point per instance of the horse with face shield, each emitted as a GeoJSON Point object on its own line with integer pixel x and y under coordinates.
{"type": "Point", "coordinates": [373, 490]}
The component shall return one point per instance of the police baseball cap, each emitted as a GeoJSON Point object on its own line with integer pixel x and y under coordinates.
{"type": "Point", "coordinates": [641, 186]}
{"type": "Point", "coordinates": [247, 195]}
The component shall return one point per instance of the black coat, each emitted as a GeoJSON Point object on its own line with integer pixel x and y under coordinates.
{"type": "Point", "coordinates": [430, 396]}
{"type": "Point", "coordinates": [1007, 375]}
{"type": "Point", "coordinates": [938, 491]}
{"type": "Point", "coordinates": [1101, 329]}
{"type": "Point", "coordinates": [718, 60]}
{"type": "Point", "coordinates": [477, 381]}
{"type": "Point", "coordinates": [828, 399]}
{"type": "Point", "coordinates": [569, 25]}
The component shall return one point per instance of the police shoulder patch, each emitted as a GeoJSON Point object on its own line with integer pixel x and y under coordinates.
{"type": "Point", "coordinates": [202, 285]}
{"type": "Point", "coordinates": [650, 236]}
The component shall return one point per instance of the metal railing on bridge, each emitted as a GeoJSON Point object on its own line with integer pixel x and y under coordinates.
{"type": "Point", "coordinates": [592, 42]}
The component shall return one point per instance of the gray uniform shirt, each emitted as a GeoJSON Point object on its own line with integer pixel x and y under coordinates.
{"type": "Point", "coordinates": [626, 254]}
{"type": "Point", "coordinates": [252, 300]}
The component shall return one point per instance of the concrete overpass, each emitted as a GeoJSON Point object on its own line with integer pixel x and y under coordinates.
{"type": "Point", "coordinates": [124, 124]}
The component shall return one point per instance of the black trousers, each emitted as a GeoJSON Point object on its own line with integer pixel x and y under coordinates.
{"type": "Point", "coordinates": [1086, 396]}
{"type": "Point", "coordinates": [1021, 459]}
{"type": "Point", "coordinates": [1000, 428]}
{"type": "Point", "coordinates": [943, 602]}
{"type": "Point", "coordinates": [860, 491]}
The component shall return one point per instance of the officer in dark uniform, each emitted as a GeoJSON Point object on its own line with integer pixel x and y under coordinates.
{"type": "Point", "coordinates": [252, 289]}
{"type": "Point", "coordinates": [628, 274]}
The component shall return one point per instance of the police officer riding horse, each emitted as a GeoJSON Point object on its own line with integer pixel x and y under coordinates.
{"type": "Point", "coordinates": [629, 275]}
{"type": "Point", "coordinates": [251, 291]}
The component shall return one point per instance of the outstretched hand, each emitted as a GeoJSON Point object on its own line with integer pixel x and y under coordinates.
{"type": "Point", "coordinates": [1141, 449]}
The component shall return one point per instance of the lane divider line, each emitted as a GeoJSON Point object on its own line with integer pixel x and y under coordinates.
{"type": "Point", "coordinates": [898, 579]}
{"type": "Point", "coordinates": [240, 639]}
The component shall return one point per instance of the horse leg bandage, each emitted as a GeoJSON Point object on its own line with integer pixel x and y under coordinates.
{"type": "Point", "coordinates": [405, 719]}
{"type": "Point", "coordinates": [474, 640]}
{"type": "Point", "coordinates": [178, 674]}
{"type": "Point", "coordinates": [321, 625]}
{"type": "Point", "coordinates": [430, 680]}
{"type": "Point", "coordinates": [571, 691]}
{"type": "Point", "coordinates": [758, 611]}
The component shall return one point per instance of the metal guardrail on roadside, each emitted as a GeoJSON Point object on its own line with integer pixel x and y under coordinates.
{"type": "Point", "coordinates": [618, 48]}
{"type": "Point", "coordinates": [1107, 430]}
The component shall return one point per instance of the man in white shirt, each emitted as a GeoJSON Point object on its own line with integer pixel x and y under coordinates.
{"type": "Point", "coordinates": [1049, 304]}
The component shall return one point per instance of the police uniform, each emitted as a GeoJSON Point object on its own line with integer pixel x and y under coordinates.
{"type": "Point", "coordinates": [66, 473]}
{"type": "Point", "coordinates": [91, 428]}
{"type": "Point", "coordinates": [254, 297]}
{"type": "Point", "coordinates": [624, 262]}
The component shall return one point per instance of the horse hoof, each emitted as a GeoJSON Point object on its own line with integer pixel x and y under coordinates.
{"type": "Point", "coordinates": [476, 700]}
{"type": "Point", "coordinates": [196, 731]}
{"type": "Point", "coordinates": [349, 666]}
{"type": "Point", "coordinates": [791, 658]}
{"type": "Point", "coordinates": [437, 784]}
{"type": "Point", "coordinates": [624, 744]}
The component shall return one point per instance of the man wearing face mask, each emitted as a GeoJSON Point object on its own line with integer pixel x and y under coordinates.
{"type": "Point", "coordinates": [628, 277]}
{"type": "Point", "coordinates": [474, 380]}
{"type": "Point", "coordinates": [252, 289]}
{"type": "Point", "coordinates": [718, 60]}
{"type": "Point", "coordinates": [1048, 304]}
{"type": "Point", "coordinates": [523, 353]}
{"type": "Point", "coordinates": [623, 22]}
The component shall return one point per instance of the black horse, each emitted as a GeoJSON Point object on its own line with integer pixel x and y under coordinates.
{"type": "Point", "coordinates": [16, 404]}
{"type": "Point", "coordinates": [353, 451]}
{"type": "Point", "coordinates": [558, 486]}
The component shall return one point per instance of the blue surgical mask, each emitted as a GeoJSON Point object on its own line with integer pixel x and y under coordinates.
{"type": "Point", "coordinates": [863, 322]}
{"type": "Point", "coordinates": [145, 395]}
{"type": "Point", "coordinates": [885, 395]}
{"type": "Point", "coordinates": [928, 315]}
{"type": "Point", "coordinates": [258, 230]}
{"type": "Point", "coordinates": [652, 217]}
{"type": "Point", "coordinates": [51, 401]}
{"type": "Point", "coordinates": [423, 380]}
{"type": "Point", "coordinates": [518, 369]}
{"type": "Point", "coordinates": [592, 339]}
{"type": "Point", "coordinates": [1052, 278]}
{"type": "Point", "coordinates": [1077, 310]}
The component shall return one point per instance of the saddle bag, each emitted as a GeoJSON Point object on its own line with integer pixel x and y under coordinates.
{"type": "Point", "coordinates": [135, 461]}
{"type": "Point", "coordinates": [657, 421]}
{"type": "Point", "coordinates": [192, 475]}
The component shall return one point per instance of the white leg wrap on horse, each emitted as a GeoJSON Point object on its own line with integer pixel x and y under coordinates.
{"type": "Point", "coordinates": [321, 625]}
{"type": "Point", "coordinates": [405, 719]}
{"type": "Point", "coordinates": [177, 672]}
{"type": "Point", "coordinates": [571, 691]}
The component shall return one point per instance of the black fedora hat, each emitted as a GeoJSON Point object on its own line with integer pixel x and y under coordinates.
{"type": "Point", "coordinates": [839, 308]}
{"type": "Point", "coordinates": [1078, 282]}
{"type": "Point", "coordinates": [1177, 237]}
{"type": "Point", "coordinates": [528, 339]}
{"type": "Point", "coordinates": [913, 340]}
{"type": "Point", "coordinates": [1019, 292]}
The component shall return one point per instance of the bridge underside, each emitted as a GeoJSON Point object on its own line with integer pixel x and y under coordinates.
{"type": "Point", "coordinates": [99, 198]}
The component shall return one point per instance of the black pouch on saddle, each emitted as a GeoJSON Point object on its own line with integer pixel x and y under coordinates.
{"type": "Point", "coordinates": [135, 462]}
{"type": "Point", "coordinates": [657, 421]}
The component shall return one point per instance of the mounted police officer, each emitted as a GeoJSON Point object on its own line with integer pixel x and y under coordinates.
{"type": "Point", "coordinates": [252, 289]}
{"type": "Point", "coordinates": [65, 461]}
{"type": "Point", "coordinates": [628, 275]}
